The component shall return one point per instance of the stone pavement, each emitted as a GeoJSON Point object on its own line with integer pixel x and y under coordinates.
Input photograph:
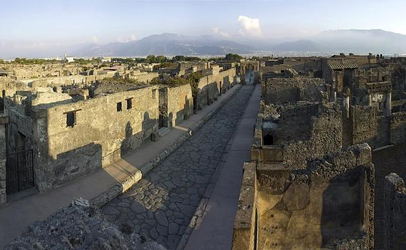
{"type": "Point", "coordinates": [214, 229]}
{"type": "Point", "coordinates": [161, 205]}
{"type": "Point", "coordinates": [16, 215]}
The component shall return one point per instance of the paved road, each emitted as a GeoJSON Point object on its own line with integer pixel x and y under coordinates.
{"type": "Point", "coordinates": [161, 205]}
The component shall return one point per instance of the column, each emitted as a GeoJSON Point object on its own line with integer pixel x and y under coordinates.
{"type": "Point", "coordinates": [346, 106]}
{"type": "Point", "coordinates": [388, 103]}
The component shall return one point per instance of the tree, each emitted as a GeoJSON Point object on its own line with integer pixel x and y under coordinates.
{"type": "Point", "coordinates": [233, 57]}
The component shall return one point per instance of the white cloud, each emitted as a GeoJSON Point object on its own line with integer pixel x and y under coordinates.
{"type": "Point", "coordinates": [95, 39]}
{"type": "Point", "coordinates": [130, 38]}
{"type": "Point", "coordinates": [249, 26]}
{"type": "Point", "coordinates": [217, 31]}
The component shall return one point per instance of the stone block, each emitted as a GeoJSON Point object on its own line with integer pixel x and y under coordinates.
{"type": "Point", "coordinates": [274, 181]}
{"type": "Point", "coordinates": [4, 120]}
{"type": "Point", "coordinates": [297, 196]}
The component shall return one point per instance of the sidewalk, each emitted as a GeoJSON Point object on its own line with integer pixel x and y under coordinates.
{"type": "Point", "coordinates": [214, 230]}
{"type": "Point", "coordinates": [16, 215]}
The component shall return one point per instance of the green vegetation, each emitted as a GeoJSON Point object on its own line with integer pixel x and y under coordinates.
{"type": "Point", "coordinates": [233, 57]}
{"type": "Point", "coordinates": [34, 61]}
{"type": "Point", "coordinates": [85, 61]}
{"type": "Point", "coordinates": [191, 79]}
{"type": "Point", "coordinates": [164, 65]}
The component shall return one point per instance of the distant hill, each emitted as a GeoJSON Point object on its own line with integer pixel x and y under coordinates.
{"type": "Point", "coordinates": [348, 41]}
{"type": "Point", "coordinates": [300, 45]}
{"type": "Point", "coordinates": [363, 41]}
{"type": "Point", "coordinates": [166, 44]}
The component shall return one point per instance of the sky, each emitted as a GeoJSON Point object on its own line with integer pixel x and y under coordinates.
{"type": "Point", "coordinates": [39, 23]}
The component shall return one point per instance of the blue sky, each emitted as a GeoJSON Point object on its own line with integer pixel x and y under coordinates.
{"type": "Point", "coordinates": [102, 21]}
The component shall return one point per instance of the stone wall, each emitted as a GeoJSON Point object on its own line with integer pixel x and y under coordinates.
{"type": "Point", "coordinates": [295, 122]}
{"type": "Point", "coordinates": [211, 86]}
{"type": "Point", "coordinates": [180, 104]}
{"type": "Point", "coordinates": [146, 77]}
{"type": "Point", "coordinates": [325, 137]}
{"type": "Point", "coordinates": [364, 124]}
{"type": "Point", "coordinates": [282, 90]}
{"type": "Point", "coordinates": [398, 128]}
{"type": "Point", "coordinates": [100, 135]}
{"type": "Point", "coordinates": [329, 204]}
{"type": "Point", "coordinates": [394, 212]}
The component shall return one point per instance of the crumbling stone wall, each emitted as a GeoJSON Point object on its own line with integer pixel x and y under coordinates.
{"type": "Point", "coordinates": [398, 128]}
{"type": "Point", "coordinates": [282, 90]}
{"type": "Point", "coordinates": [325, 137]}
{"type": "Point", "coordinates": [80, 227]}
{"type": "Point", "coordinates": [295, 122]}
{"type": "Point", "coordinates": [11, 86]}
{"type": "Point", "coordinates": [369, 127]}
{"type": "Point", "coordinates": [145, 77]}
{"type": "Point", "coordinates": [364, 124]}
{"type": "Point", "coordinates": [394, 212]}
{"type": "Point", "coordinates": [305, 132]}
{"type": "Point", "coordinates": [329, 204]}
{"type": "Point", "coordinates": [100, 135]}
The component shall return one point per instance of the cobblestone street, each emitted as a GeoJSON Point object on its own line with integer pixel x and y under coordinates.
{"type": "Point", "coordinates": [161, 205]}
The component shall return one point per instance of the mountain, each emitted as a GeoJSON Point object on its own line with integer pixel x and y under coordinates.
{"type": "Point", "coordinates": [166, 44]}
{"type": "Point", "coordinates": [347, 41]}
{"type": "Point", "coordinates": [363, 41]}
{"type": "Point", "coordinates": [300, 45]}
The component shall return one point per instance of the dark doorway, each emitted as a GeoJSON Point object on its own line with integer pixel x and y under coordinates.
{"type": "Point", "coordinates": [19, 171]}
{"type": "Point", "coordinates": [268, 140]}
{"type": "Point", "coordinates": [163, 108]}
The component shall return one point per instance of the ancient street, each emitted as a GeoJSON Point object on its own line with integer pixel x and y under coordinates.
{"type": "Point", "coordinates": [161, 205]}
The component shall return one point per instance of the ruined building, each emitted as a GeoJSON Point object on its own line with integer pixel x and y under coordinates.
{"type": "Point", "coordinates": [56, 132]}
{"type": "Point", "coordinates": [311, 183]}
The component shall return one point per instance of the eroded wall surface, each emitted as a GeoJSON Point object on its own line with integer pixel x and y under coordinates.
{"type": "Point", "coordinates": [330, 204]}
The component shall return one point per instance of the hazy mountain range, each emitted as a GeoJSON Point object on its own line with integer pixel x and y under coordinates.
{"type": "Point", "coordinates": [327, 42]}
{"type": "Point", "coordinates": [166, 44]}
{"type": "Point", "coordinates": [334, 41]}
